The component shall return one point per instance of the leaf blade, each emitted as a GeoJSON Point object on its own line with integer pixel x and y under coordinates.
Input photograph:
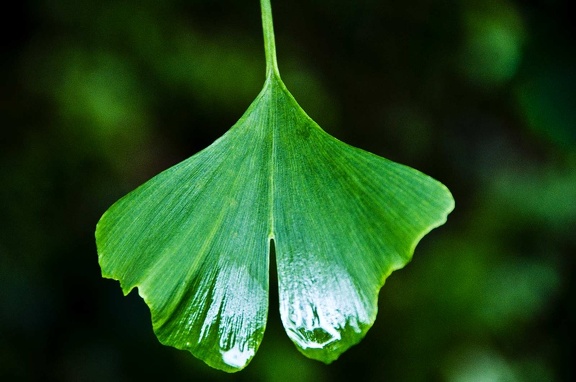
{"type": "Point", "coordinates": [187, 236]}
{"type": "Point", "coordinates": [341, 202]}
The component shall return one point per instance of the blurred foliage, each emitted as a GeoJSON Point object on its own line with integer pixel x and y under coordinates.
{"type": "Point", "coordinates": [96, 97]}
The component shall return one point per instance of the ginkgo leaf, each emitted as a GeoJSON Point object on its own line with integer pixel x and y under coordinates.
{"type": "Point", "coordinates": [195, 240]}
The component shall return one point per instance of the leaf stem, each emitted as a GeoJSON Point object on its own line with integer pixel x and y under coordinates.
{"type": "Point", "coordinates": [269, 42]}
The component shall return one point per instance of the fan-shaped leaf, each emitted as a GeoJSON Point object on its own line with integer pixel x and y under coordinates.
{"type": "Point", "coordinates": [195, 239]}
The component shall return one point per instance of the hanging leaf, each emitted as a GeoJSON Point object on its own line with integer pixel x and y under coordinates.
{"type": "Point", "coordinates": [195, 240]}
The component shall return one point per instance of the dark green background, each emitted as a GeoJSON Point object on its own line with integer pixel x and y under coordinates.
{"type": "Point", "coordinates": [98, 96]}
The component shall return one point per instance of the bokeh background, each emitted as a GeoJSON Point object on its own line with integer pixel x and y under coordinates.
{"type": "Point", "coordinates": [98, 96]}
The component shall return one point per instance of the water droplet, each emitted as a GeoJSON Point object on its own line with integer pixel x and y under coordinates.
{"type": "Point", "coordinates": [236, 357]}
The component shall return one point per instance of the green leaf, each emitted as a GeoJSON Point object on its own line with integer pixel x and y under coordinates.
{"type": "Point", "coordinates": [195, 239]}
